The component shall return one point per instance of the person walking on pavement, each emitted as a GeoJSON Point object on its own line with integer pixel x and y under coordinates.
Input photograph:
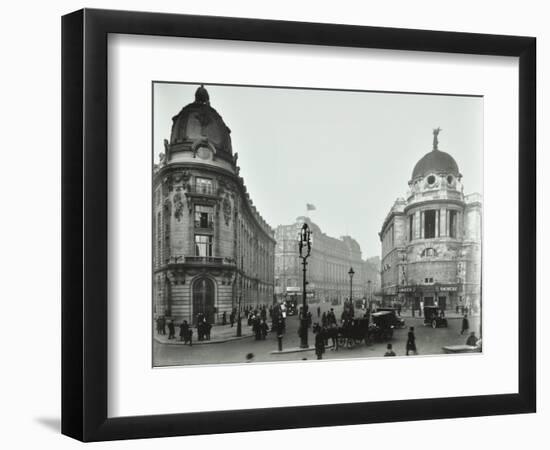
{"type": "Point", "coordinates": [184, 329]}
{"type": "Point", "coordinates": [465, 324]}
{"type": "Point", "coordinates": [319, 341]}
{"type": "Point", "coordinates": [224, 318]}
{"type": "Point", "coordinates": [411, 342]}
{"type": "Point", "coordinates": [171, 330]}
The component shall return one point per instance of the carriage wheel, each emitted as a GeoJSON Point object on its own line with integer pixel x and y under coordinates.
{"type": "Point", "coordinates": [434, 323]}
{"type": "Point", "coordinates": [349, 343]}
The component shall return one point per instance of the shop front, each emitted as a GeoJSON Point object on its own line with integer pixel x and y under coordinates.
{"type": "Point", "coordinates": [444, 296]}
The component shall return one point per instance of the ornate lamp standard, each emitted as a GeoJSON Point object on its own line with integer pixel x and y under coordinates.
{"type": "Point", "coordinates": [304, 245]}
{"type": "Point", "coordinates": [351, 273]}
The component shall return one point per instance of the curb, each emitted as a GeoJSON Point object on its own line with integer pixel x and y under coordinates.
{"type": "Point", "coordinates": [295, 350]}
{"type": "Point", "coordinates": [215, 341]}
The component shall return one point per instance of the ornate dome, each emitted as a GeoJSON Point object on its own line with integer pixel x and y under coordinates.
{"type": "Point", "coordinates": [437, 162]}
{"type": "Point", "coordinates": [199, 122]}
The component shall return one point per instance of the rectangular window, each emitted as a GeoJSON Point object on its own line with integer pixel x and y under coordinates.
{"type": "Point", "coordinates": [429, 224]}
{"type": "Point", "coordinates": [204, 186]}
{"type": "Point", "coordinates": [204, 216]}
{"type": "Point", "coordinates": [203, 245]}
{"type": "Point", "coordinates": [452, 223]}
{"type": "Point", "coordinates": [411, 222]}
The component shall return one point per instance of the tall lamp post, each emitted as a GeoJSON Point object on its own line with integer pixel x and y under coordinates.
{"type": "Point", "coordinates": [351, 273]}
{"type": "Point", "coordinates": [370, 295]}
{"type": "Point", "coordinates": [239, 324]}
{"type": "Point", "coordinates": [304, 245]}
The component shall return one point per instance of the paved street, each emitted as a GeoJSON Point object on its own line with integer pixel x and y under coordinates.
{"type": "Point", "coordinates": [429, 341]}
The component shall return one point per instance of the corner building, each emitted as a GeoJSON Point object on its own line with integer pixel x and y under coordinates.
{"type": "Point", "coordinates": [212, 250]}
{"type": "Point", "coordinates": [431, 241]}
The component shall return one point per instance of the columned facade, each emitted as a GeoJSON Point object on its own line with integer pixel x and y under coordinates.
{"type": "Point", "coordinates": [431, 241]}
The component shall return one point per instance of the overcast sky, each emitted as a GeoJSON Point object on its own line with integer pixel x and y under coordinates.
{"type": "Point", "coordinates": [350, 154]}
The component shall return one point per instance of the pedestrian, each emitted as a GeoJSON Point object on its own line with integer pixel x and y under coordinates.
{"type": "Point", "coordinates": [184, 328]}
{"type": "Point", "coordinates": [411, 342]}
{"type": "Point", "coordinates": [318, 311]}
{"type": "Point", "coordinates": [399, 309]}
{"type": "Point", "coordinates": [389, 351]}
{"type": "Point", "coordinates": [232, 318]}
{"type": "Point", "coordinates": [163, 325]}
{"type": "Point", "coordinates": [472, 339]}
{"type": "Point", "coordinates": [224, 318]}
{"type": "Point", "coordinates": [171, 330]}
{"type": "Point", "coordinates": [159, 328]}
{"type": "Point", "coordinates": [465, 324]}
{"type": "Point", "coordinates": [256, 329]}
{"type": "Point", "coordinates": [264, 328]}
{"type": "Point", "coordinates": [319, 341]}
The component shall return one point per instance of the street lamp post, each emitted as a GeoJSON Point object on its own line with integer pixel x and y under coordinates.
{"type": "Point", "coordinates": [239, 325]}
{"type": "Point", "coordinates": [304, 245]}
{"type": "Point", "coordinates": [351, 273]}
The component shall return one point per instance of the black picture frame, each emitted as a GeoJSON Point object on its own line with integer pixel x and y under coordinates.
{"type": "Point", "coordinates": [84, 224]}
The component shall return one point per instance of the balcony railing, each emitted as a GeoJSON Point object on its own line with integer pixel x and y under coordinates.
{"type": "Point", "coordinates": [208, 260]}
{"type": "Point", "coordinates": [205, 225]}
{"type": "Point", "coordinates": [202, 189]}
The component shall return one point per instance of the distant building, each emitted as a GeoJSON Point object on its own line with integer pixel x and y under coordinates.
{"type": "Point", "coordinates": [431, 241]}
{"type": "Point", "coordinates": [211, 248]}
{"type": "Point", "coordinates": [327, 269]}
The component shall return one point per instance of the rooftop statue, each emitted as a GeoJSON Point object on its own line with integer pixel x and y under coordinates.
{"type": "Point", "coordinates": [436, 142]}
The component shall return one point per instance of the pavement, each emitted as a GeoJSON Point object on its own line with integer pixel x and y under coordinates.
{"type": "Point", "coordinates": [218, 334]}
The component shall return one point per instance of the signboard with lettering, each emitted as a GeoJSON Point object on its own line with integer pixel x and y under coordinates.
{"type": "Point", "coordinates": [448, 288]}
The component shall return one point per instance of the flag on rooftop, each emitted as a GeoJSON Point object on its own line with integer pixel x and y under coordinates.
{"type": "Point", "coordinates": [310, 207]}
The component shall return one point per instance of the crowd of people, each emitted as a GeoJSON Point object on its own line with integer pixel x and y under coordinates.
{"type": "Point", "coordinates": [325, 331]}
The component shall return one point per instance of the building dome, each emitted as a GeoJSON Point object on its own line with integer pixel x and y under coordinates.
{"type": "Point", "coordinates": [437, 162]}
{"type": "Point", "coordinates": [199, 122]}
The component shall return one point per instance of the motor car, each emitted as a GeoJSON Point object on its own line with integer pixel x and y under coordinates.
{"type": "Point", "coordinates": [382, 326]}
{"type": "Point", "coordinates": [434, 317]}
{"type": "Point", "coordinates": [397, 321]}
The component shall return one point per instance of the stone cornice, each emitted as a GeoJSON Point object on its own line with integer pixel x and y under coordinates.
{"type": "Point", "coordinates": [423, 203]}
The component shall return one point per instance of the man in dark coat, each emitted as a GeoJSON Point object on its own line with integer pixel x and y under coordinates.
{"type": "Point", "coordinates": [171, 330]}
{"type": "Point", "coordinates": [224, 318]}
{"type": "Point", "coordinates": [184, 329]}
{"type": "Point", "coordinates": [465, 324]}
{"type": "Point", "coordinates": [264, 328]}
{"type": "Point", "coordinates": [472, 339]}
{"type": "Point", "coordinates": [411, 342]}
{"type": "Point", "coordinates": [319, 341]}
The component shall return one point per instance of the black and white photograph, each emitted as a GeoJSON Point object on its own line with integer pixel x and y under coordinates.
{"type": "Point", "coordinates": [299, 224]}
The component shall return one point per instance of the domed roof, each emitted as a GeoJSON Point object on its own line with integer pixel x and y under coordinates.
{"type": "Point", "coordinates": [437, 162]}
{"type": "Point", "coordinates": [198, 122]}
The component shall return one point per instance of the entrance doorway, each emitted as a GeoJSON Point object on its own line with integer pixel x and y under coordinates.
{"type": "Point", "coordinates": [203, 299]}
{"type": "Point", "coordinates": [442, 303]}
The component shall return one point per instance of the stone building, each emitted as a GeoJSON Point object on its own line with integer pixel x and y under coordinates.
{"type": "Point", "coordinates": [327, 269]}
{"type": "Point", "coordinates": [212, 250]}
{"type": "Point", "coordinates": [431, 241]}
